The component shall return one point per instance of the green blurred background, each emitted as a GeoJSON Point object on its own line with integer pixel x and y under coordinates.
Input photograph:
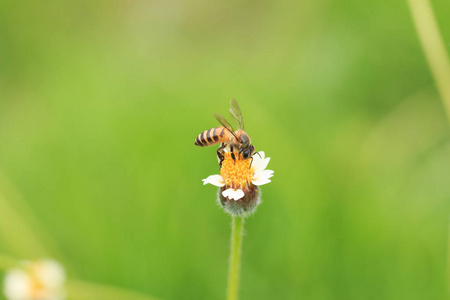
{"type": "Point", "coordinates": [100, 103]}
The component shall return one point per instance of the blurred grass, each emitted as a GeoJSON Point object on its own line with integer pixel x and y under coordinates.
{"type": "Point", "coordinates": [100, 104]}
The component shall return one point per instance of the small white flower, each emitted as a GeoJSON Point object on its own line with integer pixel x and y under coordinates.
{"type": "Point", "coordinates": [237, 176]}
{"type": "Point", "coordinates": [37, 280]}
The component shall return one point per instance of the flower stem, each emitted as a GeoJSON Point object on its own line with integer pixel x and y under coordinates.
{"type": "Point", "coordinates": [433, 46]}
{"type": "Point", "coordinates": [436, 54]}
{"type": "Point", "coordinates": [237, 230]}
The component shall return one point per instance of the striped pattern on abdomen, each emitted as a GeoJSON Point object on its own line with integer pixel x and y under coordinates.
{"type": "Point", "coordinates": [212, 136]}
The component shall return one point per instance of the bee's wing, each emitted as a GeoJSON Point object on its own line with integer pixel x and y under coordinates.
{"type": "Point", "coordinates": [235, 110]}
{"type": "Point", "coordinates": [225, 124]}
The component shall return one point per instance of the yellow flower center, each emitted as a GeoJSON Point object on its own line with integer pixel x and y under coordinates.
{"type": "Point", "coordinates": [37, 287]}
{"type": "Point", "coordinates": [236, 173]}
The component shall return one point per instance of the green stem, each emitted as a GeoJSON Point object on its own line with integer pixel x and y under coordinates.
{"type": "Point", "coordinates": [237, 230]}
{"type": "Point", "coordinates": [433, 46]}
{"type": "Point", "coordinates": [436, 54]}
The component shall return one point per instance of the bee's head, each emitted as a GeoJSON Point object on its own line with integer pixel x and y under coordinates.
{"type": "Point", "coordinates": [248, 152]}
{"type": "Point", "coordinates": [246, 149]}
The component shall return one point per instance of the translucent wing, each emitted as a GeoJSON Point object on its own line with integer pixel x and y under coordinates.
{"type": "Point", "coordinates": [225, 124]}
{"type": "Point", "coordinates": [235, 110]}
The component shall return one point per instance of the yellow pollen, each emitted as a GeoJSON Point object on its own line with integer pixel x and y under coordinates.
{"type": "Point", "coordinates": [237, 173]}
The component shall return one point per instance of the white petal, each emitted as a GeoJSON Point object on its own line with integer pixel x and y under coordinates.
{"type": "Point", "coordinates": [216, 180]}
{"type": "Point", "coordinates": [233, 194]}
{"type": "Point", "coordinates": [261, 181]}
{"type": "Point", "coordinates": [260, 163]}
{"type": "Point", "coordinates": [265, 173]}
{"type": "Point", "coordinates": [262, 154]}
{"type": "Point", "coordinates": [50, 273]}
{"type": "Point", "coordinates": [261, 178]}
{"type": "Point", "coordinates": [18, 285]}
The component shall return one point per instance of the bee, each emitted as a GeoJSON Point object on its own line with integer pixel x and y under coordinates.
{"type": "Point", "coordinates": [239, 141]}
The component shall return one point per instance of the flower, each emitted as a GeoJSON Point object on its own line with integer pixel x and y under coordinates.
{"type": "Point", "coordinates": [239, 180]}
{"type": "Point", "coordinates": [35, 280]}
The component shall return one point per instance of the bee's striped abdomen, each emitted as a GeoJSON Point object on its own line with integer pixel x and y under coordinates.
{"type": "Point", "coordinates": [212, 136]}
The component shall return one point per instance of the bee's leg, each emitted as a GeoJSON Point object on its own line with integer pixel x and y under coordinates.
{"type": "Point", "coordinates": [240, 151]}
{"type": "Point", "coordinates": [220, 155]}
{"type": "Point", "coordinates": [221, 161]}
{"type": "Point", "coordinates": [232, 153]}
{"type": "Point", "coordinates": [252, 158]}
